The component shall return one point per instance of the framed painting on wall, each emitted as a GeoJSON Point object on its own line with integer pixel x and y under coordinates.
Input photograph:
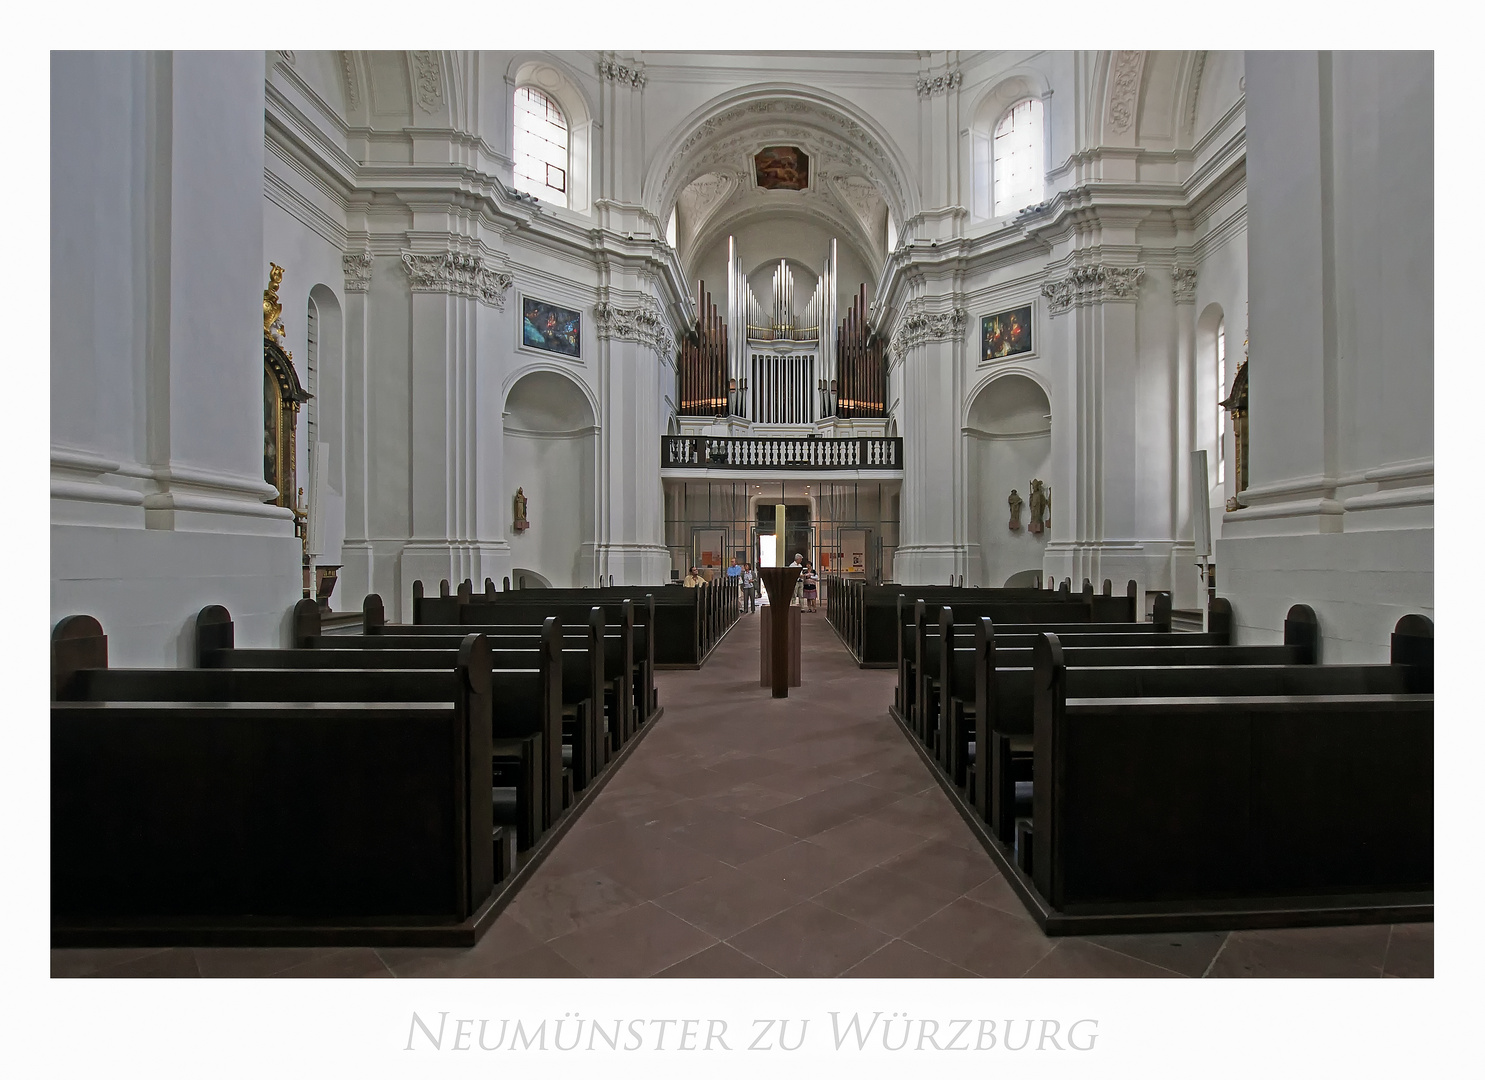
{"type": "Point", "coordinates": [1006, 334]}
{"type": "Point", "coordinates": [551, 328]}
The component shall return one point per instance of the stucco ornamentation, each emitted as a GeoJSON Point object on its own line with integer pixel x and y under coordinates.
{"type": "Point", "coordinates": [458, 273]}
{"type": "Point", "coordinates": [356, 265]}
{"type": "Point", "coordinates": [644, 324]}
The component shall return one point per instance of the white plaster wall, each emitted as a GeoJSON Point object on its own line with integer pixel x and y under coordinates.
{"type": "Point", "coordinates": [556, 475]}
{"type": "Point", "coordinates": [157, 276]}
{"type": "Point", "coordinates": [1340, 505]}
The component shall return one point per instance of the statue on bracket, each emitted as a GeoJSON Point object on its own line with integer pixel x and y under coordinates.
{"type": "Point", "coordinates": [1039, 507]}
{"type": "Point", "coordinates": [519, 501]}
{"type": "Point", "coordinates": [1015, 502]}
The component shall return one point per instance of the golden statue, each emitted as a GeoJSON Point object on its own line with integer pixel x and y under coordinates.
{"type": "Point", "coordinates": [272, 308]}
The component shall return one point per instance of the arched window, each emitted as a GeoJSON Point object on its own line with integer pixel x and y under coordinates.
{"type": "Point", "coordinates": [540, 145]}
{"type": "Point", "coordinates": [1221, 394]}
{"type": "Point", "coordinates": [1017, 161]}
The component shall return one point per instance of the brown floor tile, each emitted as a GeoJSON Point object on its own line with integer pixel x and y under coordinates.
{"type": "Point", "coordinates": [1071, 958]}
{"type": "Point", "coordinates": [997, 893]}
{"type": "Point", "coordinates": [803, 868]}
{"type": "Point", "coordinates": [1187, 954]}
{"type": "Point", "coordinates": [632, 944]}
{"type": "Point", "coordinates": [825, 809]}
{"type": "Point", "coordinates": [808, 941]}
{"type": "Point", "coordinates": [252, 963]}
{"type": "Point", "coordinates": [867, 835]}
{"type": "Point", "coordinates": [721, 961]}
{"type": "Point", "coordinates": [886, 901]}
{"type": "Point", "coordinates": [983, 939]}
{"type": "Point", "coordinates": [1410, 951]}
{"type": "Point", "coordinates": [1335, 952]}
{"type": "Point", "coordinates": [549, 907]}
{"type": "Point", "coordinates": [730, 838]}
{"type": "Point", "coordinates": [538, 963]}
{"type": "Point", "coordinates": [799, 782]}
{"type": "Point", "coordinates": [174, 963]}
{"type": "Point", "coordinates": [899, 960]}
{"type": "Point", "coordinates": [747, 800]}
{"type": "Point", "coordinates": [948, 866]}
{"type": "Point", "coordinates": [341, 964]}
{"type": "Point", "coordinates": [660, 868]}
{"type": "Point", "coordinates": [905, 780]}
{"type": "Point", "coordinates": [727, 902]}
{"type": "Point", "coordinates": [77, 963]}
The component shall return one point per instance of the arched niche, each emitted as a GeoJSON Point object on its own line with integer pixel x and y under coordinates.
{"type": "Point", "coordinates": [1208, 414]}
{"type": "Point", "coordinates": [1008, 443]}
{"type": "Point", "coordinates": [550, 454]}
{"type": "Point", "coordinates": [553, 78]}
{"type": "Point", "coordinates": [324, 424]}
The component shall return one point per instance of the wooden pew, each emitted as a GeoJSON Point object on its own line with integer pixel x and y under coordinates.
{"type": "Point", "coordinates": [528, 698]}
{"type": "Point", "coordinates": [584, 686]}
{"type": "Point", "coordinates": [1301, 795]}
{"type": "Point", "coordinates": [319, 816]}
{"type": "Point", "coordinates": [921, 645]}
{"type": "Point", "coordinates": [627, 642]}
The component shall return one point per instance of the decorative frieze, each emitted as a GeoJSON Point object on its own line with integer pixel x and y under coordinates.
{"type": "Point", "coordinates": [427, 79]}
{"type": "Point", "coordinates": [918, 325]}
{"type": "Point", "coordinates": [356, 266]}
{"type": "Point", "coordinates": [1124, 94]}
{"type": "Point", "coordinates": [939, 84]}
{"type": "Point", "coordinates": [645, 324]}
{"type": "Point", "coordinates": [1092, 284]}
{"type": "Point", "coordinates": [617, 72]}
{"type": "Point", "coordinates": [1183, 284]}
{"type": "Point", "coordinates": [352, 89]}
{"type": "Point", "coordinates": [458, 273]}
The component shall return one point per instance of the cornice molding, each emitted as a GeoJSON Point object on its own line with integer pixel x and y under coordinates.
{"type": "Point", "coordinates": [645, 324]}
{"type": "Point", "coordinates": [457, 273]}
{"type": "Point", "coordinates": [917, 326]}
{"type": "Point", "coordinates": [1094, 283]}
{"type": "Point", "coordinates": [939, 84]}
{"type": "Point", "coordinates": [356, 266]}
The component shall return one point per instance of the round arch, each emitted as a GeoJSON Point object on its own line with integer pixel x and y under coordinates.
{"type": "Point", "coordinates": [549, 458]}
{"type": "Point", "coordinates": [986, 109]}
{"type": "Point", "coordinates": [977, 389]}
{"type": "Point", "coordinates": [1007, 440]}
{"type": "Point", "coordinates": [564, 374]}
{"type": "Point", "coordinates": [675, 161]}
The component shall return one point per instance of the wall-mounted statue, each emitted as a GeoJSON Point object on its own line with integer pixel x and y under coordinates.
{"type": "Point", "coordinates": [520, 509]}
{"type": "Point", "coordinates": [1038, 507]}
{"type": "Point", "coordinates": [1015, 502]}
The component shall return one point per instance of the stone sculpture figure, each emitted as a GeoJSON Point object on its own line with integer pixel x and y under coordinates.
{"type": "Point", "coordinates": [1015, 502]}
{"type": "Point", "coordinates": [1038, 506]}
{"type": "Point", "coordinates": [520, 508]}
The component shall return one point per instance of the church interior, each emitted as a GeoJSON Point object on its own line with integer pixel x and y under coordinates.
{"type": "Point", "coordinates": [742, 514]}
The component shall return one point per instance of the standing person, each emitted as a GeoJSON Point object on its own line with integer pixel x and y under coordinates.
{"type": "Point", "coordinates": [749, 588]}
{"type": "Point", "coordinates": [734, 573]}
{"type": "Point", "coordinates": [811, 585]}
{"type": "Point", "coordinates": [799, 581]}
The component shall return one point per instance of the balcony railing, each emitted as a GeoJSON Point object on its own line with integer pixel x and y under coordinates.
{"type": "Point", "coordinates": [705, 452]}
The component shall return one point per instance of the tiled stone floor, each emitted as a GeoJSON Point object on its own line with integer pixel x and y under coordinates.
{"type": "Point", "coordinates": [803, 837]}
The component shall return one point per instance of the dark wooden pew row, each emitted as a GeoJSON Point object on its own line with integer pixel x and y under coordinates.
{"type": "Point", "coordinates": [992, 678]}
{"type": "Point", "coordinates": [526, 685]}
{"type": "Point", "coordinates": [1272, 797]}
{"type": "Point", "coordinates": [864, 615]}
{"type": "Point", "coordinates": [1084, 909]}
{"type": "Point", "coordinates": [688, 623]}
{"type": "Point", "coordinates": [588, 696]}
{"type": "Point", "coordinates": [291, 802]}
{"type": "Point", "coordinates": [920, 644]}
{"type": "Point", "coordinates": [627, 641]}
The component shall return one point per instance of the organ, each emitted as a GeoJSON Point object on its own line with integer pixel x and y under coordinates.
{"type": "Point", "coordinates": [787, 360]}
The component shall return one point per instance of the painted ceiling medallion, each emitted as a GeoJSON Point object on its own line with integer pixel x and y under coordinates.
{"type": "Point", "coordinates": [782, 168]}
